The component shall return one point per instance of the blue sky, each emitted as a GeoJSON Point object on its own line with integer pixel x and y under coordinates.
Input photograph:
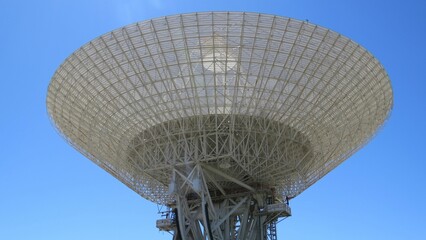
{"type": "Point", "coordinates": [50, 191]}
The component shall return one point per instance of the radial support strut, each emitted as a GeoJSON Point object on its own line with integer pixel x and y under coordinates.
{"type": "Point", "coordinates": [240, 213]}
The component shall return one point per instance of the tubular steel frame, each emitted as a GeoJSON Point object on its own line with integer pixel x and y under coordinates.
{"type": "Point", "coordinates": [244, 215]}
{"type": "Point", "coordinates": [246, 102]}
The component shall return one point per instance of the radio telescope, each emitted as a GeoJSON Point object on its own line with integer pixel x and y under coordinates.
{"type": "Point", "coordinates": [220, 116]}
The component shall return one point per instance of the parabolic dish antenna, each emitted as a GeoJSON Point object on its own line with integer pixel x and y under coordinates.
{"type": "Point", "coordinates": [221, 116]}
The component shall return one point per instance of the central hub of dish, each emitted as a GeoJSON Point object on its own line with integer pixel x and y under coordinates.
{"type": "Point", "coordinates": [256, 151]}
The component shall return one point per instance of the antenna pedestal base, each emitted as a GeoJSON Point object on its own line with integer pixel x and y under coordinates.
{"type": "Point", "coordinates": [200, 214]}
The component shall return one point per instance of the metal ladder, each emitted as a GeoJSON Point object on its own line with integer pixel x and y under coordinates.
{"type": "Point", "coordinates": [271, 227]}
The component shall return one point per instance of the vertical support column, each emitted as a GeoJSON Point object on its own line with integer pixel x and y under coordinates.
{"type": "Point", "coordinates": [240, 216]}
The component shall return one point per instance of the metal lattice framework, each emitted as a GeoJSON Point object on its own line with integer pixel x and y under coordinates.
{"type": "Point", "coordinates": [254, 100]}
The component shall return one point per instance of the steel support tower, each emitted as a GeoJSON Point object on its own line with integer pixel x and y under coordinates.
{"type": "Point", "coordinates": [245, 213]}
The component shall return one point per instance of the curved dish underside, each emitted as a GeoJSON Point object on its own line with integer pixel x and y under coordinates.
{"type": "Point", "coordinates": [274, 101]}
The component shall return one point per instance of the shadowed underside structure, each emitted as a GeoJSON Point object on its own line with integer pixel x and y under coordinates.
{"type": "Point", "coordinates": [220, 114]}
